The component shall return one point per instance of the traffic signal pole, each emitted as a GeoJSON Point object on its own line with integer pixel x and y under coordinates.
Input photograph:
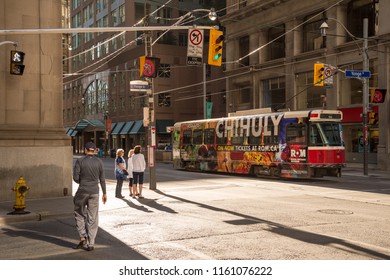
{"type": "Point", "coordinates": [151, 125]}
{"type": "Point", "coordinates": [365, 96]}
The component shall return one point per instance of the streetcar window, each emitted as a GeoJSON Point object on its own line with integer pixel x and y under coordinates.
{"type": "Point", "coordinates": [315, 136]}
{"type": "Point", "coordinates": [197, 137]}
{"type": "Point", "coordinates": [332, 133]}
{"type": "Point", "coordinates": [209, 136]}
{"type": "Point", "coordinates": [296, 134]}
{"type": "Point", "coordinates": [187, 136]}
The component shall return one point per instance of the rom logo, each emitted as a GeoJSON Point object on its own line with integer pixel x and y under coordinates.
{"type": "Point", "coordinates": [298, 153]}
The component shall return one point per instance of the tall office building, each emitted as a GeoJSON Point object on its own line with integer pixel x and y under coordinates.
{"type": "Point", "coordinates": [97, 94]}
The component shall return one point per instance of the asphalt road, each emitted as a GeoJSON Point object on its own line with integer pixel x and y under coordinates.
{"type": "Point", "coordinates": [199, 216]}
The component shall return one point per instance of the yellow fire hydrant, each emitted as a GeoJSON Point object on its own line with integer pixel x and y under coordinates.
{"type": "Point", "coordinates": [20, 190]}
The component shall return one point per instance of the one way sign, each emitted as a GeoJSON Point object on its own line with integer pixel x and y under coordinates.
{"type": "Point", "coordinates": [195, 47]}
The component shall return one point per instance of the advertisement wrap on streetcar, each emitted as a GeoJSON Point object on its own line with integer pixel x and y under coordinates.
{"type": "Point", "coordinates": [293, 144]}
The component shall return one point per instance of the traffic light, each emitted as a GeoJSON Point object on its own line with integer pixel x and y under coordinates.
{"type": "Point", "coordinates": [16, 65]}
{"type": "Point", "coordinates": [215, 47]}
{"type": "Point", "coordinates": [319, 74]}
{"type": "Point", "coordinates": [378, 95]}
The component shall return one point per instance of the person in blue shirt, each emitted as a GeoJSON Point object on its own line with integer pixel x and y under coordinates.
{"type": "Point", "coordinates": [120, 172]}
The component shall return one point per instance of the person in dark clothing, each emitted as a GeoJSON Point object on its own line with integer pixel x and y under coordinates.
{"type": "Point", "coordinates": [88, 172]}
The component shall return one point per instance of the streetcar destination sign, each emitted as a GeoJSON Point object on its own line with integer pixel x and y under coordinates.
{"type": "Point", "coordinates": [357, 74]}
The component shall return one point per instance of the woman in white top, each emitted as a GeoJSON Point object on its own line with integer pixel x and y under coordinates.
{"type": "Point", "coordinates": [133, 190]}
{"type": "Point", "coordinates": [139, 166]}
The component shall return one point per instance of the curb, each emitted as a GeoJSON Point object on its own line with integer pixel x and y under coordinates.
{"type": "Point", "coordinates": [40, 216]}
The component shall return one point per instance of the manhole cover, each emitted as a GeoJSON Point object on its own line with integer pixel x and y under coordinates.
{"type": "Point", "coordinates": [335, 212]}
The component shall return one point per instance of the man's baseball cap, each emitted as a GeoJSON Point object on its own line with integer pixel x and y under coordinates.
{"type": "Point", "coordinates": [90, 146]}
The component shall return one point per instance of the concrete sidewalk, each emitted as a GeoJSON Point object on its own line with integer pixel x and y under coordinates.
{"type": "Point", "coordinates": [46, 208]}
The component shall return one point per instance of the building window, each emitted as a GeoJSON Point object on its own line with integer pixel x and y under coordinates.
{"type": "Point", "coordinates": [122, 40]}
{"type": "Point", "coordinates": [358, 10]}
{"type": "Point", "coordinates": [113, 79]}
{"type": "Point", "coordinates": [75, 4]}
{"type": "Point", "coordinates": [76, 20]}
{"type": "Point", "coordinates": [164, 70]}
{"type": "Point", "coordinates": [102, 96]}
{"type": "Point", "coordinates": [242, 3]}
{"type": "Point", "coordinates": [164, 16]}
{"type": "Point", "coordinates": [274, 93]}
{"type": "Point", "coordinates": [139, 11]}
{"type": "Point", "coordinates": [132, 102]}
{"type": "Point", "coordinates": [183, 39]}
{"type": "Point", "coordinates": [114, 45]}
{"type": "Point", "coordinates": [244, 95]}
{"type": "Point", "coordinates": [90, 99]}
{"type": "Point", "coordinates": [244, 50]}
{"type": "Point", "coordinates": [312, 39]}
{"type": "Point", "coordinates": [164, 100]}
{"type": "Point", "coordinates": [99, 50]}
{"type": "Point", "coordinates": [277, 47]}
{"type": "Point", "coordinates": [106, 48]}
{"type": "Point", "coordinates": [88, 12]}
{"type": "Point", "coordinates": [114, 18]}
{"type": "Point", "coordinates": [122, 14]}
{"type": "Point", "coordinates": [309, 96]}
{"type": "Point", "coordinates": [92, 53]}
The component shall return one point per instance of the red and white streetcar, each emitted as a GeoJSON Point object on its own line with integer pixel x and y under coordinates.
{"type": "Point", "coordinates": [293, 144]}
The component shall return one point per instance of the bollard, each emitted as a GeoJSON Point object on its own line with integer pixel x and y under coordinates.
{"type": "Point", "coordinates": [20, 190]}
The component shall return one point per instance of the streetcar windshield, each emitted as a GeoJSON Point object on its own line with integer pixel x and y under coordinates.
{"type": "Point", "coordinates": [326, 134]}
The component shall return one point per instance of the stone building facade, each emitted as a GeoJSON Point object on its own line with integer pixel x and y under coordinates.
{"type": "Point", "coordinates": [33, 143]}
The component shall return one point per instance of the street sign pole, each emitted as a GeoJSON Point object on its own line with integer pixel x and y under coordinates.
{"type": "Point", "coordinates": [151, 126]}
{"type": "Point", "coordinates": [365, 96]}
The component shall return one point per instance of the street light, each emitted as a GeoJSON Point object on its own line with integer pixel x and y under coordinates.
{"type": "Point", "coordinates": [365, 80]}
{"type": "Point", "coordinates": [148, 53]}
{"type": "Point", "coordinates": [9, 42]}
{"type": "Point", "coordinates": [211, 13]}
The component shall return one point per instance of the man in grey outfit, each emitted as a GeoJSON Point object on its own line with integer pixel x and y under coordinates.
{"type": "Point", "coordinates": [88, 172]}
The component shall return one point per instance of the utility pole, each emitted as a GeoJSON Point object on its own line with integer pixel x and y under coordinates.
{"type": "Point", "coordinates": [365, 95]}
{"type": "Point", "coordinates": [150, 92]}
{"type": "Point", "coordinates": [204, 92]}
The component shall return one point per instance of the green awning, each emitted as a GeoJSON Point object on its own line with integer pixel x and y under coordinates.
{"type": "Point", "coordinates": [138, 127]}
{"type": "Point", "coordinates": [127, 128]}
{"type": "Point", "coordinates": [117, 128]}
{"type": "Point", "coordinates": [84, 123]}
{"type": "Point", "coordinates": [113, 125]}
{"type": "Point", "coordinates": [71, 132]}
{"type": "Point", "coordinates": [161, 125]}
